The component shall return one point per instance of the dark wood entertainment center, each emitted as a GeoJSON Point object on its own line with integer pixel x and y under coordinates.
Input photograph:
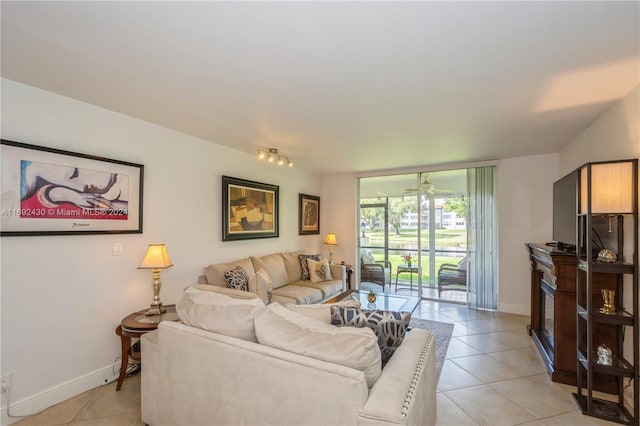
{"type": "Point", "coordinates": [553, 313]}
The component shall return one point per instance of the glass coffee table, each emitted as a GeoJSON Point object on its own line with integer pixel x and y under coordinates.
{"type": "Point", "coordinates": [384, 301]}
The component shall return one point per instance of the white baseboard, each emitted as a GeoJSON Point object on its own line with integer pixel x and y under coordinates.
{"type": "Point", "coordinates": [514, 309]}
{"type": "Point", "coordinates": [56, 394]}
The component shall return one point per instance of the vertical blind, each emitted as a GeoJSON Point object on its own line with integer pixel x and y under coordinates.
{"type": "Point", "coordinates": [482, 238]}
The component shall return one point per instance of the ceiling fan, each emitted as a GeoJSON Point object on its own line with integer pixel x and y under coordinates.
{"type": "Point", "coordinates": [427, 188]}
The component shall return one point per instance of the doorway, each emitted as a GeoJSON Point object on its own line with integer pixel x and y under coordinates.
{"type": "Point", "coordinates": [415, 223]}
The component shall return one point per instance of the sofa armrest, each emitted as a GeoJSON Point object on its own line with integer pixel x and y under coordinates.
{"type": "Point", "coordinates": [405, 392]}
{"type": "Point", "coordinates": [149, 380]}
{"type": "Point", "coordinates": [339, 272]}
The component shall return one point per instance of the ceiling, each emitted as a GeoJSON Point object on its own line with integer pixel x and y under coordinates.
{"type": "Point", "coordinates": [338, 86]}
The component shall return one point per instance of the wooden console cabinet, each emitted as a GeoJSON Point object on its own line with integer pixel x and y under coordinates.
{"type": "Point", "coordinates": [553, 312]}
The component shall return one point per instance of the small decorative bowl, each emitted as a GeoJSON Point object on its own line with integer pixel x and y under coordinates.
{"type": "Point", "coordinates": [607, 256]}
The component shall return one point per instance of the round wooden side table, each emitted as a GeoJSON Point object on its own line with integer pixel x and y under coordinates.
{"type": "Point", "coordinates": [132, 327]}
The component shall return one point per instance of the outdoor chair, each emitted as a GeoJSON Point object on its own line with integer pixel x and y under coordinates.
{"type": "Point", "coordinates": [378, 272]}
{"type": "Point", "coordinates": [452, 277]}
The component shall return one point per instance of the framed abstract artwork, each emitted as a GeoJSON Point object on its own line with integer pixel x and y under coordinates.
{"type": "Point", "coordinates": [249, 209]}
{"type": "Point", "coordinates": [47, 191]}
{"type": "Point", "coordinates": [308, 214]}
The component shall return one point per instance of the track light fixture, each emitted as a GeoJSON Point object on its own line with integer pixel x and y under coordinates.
{"type": "Point", "coordinates": [272, 156]}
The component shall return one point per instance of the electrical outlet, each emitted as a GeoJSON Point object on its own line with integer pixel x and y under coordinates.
{"type": "Point", "coordinates": [6, 382]}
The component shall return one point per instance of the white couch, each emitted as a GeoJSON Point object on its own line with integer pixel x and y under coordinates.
{"type": "Point", "coordinates": [285, 272]}
{"type": "Point", "coordinates": [193, 376]}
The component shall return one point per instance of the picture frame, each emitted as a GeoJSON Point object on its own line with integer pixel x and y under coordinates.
{"type": "Point", "coordinates": [48, 191]}
{"type": "Point", "coordinates": [308, 214]}
{"type": "Point", "coordinates": [249, 209]}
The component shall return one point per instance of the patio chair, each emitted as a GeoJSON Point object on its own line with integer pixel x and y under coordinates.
{"type": "Point", "coordinates": [452, 277]}
{"type": "Point", "coordinates": [373, 271]}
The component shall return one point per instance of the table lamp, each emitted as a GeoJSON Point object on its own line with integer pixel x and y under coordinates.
{"type": "Point", "coordinates": [331, 243]}
{"type": "Point", "coordinates": [155, 259]}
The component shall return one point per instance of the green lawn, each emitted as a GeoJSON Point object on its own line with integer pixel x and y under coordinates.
{"type": "Point", "coordinates": [446, 239]}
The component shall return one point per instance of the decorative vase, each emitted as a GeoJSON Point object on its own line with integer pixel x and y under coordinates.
{"type": "Point", "coordinates": [371, 297]}
{"type": "Point", "coordinates": [409, 264]}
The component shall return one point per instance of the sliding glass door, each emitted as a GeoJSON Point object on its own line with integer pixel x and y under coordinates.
{"type": "Point", "coordinates": [416, 225]}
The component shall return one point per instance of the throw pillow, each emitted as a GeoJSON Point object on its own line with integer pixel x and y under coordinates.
{"type": "Point", "coordinates": [305, 267]}
{"type": "Point", "coordinates": [390, 327]}
{"type": "Point", "coordinates": [231, 292]}
{"type": "Point", "coordinates": [237, 278]}
{"type": "Point", "coordinates": [367, 257]}
{"type": "Point", "coordinates": [319, 270]}
{"type": "Point", "coordinates": [278, 327]}
{"type": "Point", "coordinates": [219, 313]}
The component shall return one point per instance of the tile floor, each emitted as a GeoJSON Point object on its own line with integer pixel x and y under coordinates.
{"type": "Point", "coordinates": [493, 375]}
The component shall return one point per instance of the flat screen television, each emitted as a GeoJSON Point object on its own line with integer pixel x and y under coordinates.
{"type": "Point", "coordinates": [565, 208]}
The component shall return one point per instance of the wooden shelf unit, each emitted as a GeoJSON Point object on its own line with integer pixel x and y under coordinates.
{"type": "Point", "coordinates": [591, 321]}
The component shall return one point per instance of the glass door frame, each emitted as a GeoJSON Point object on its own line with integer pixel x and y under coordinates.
{"type": "Point", "coordinates": [385, 207]}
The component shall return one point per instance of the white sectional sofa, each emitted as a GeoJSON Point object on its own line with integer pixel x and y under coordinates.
{"type": "Point", "coordinates": [289, 366]}
{"type": "Point", "coordinates": [285, 272]}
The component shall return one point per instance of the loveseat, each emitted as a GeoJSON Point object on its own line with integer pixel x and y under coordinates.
{"type": "Point", "coordinates": [285, 274]}
{"type": "Point", "coordinates": [244, 363]}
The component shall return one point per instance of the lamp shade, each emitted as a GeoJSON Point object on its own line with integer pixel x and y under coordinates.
{"type": "Point", "coordinates": [331, 239]}
{"type": "Point", "coordinates": [611, 187]}
{"type": "Point", "coordinates": [156, 258]}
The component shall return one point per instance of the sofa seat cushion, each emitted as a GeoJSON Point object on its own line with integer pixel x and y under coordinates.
{"type": "Point", "coordinates": [357, 348]}
{"type": "Point", "coordinates": [215, 272]}
{"type": "Point", "coordinates": [328, 288]}
{"type": "Point", "coordinates": [283, 300]}
{"type": "Point", "coordinates": [219, 313]}
{"type": "Point", "coordinates": [301, 294]}
{"type": "Point", "coordinates": [273, 264]}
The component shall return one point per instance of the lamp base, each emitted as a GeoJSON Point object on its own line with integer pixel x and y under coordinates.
{"type": "Point", "coordinates": [156, 310]}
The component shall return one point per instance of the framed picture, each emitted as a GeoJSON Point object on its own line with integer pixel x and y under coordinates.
{"type": "Point", "coordinates": [249, 209]}
{"type": "Point", "coordinates": [48, 191]}
{"type": "Point", "coordinates": [308, 214]}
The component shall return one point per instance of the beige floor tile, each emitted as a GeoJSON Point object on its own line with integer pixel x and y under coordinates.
{"type": "Point", "coordinates": [575, 418]}
{"type": "Point", "coordinates": [449, 414]}
{"type": "Point", "coordinates": [488, 407]}
{"type": "Point", "coordinates": [526, 362]}
{"type": "Point", "coordinates": [466, 314]}
{"type": "Point", "coordinates": [126, 419]}
{"type": "Point", "coordinates": [454, 377]}
{"type": "Point", "coordinates": [495, 324]}
{"type": "Point", "coordinates": [461, 329]}
{"type": "Point", "coordinates": [539, 398]}
{"type": "Point", "coordinates": [515, 338]}
{"type": "Point", "coordinates": [485, 368]}
{"type": "Point", "coordinates": [59, 414]}
{"type": "Point", "coordinates": [432, 315]}
{"type": "Point", "coordinates": [107, 402]}
{"type": "Point", "coordinates": [484, 343]}
{"type": "Point", "coordinates": [457, 349]}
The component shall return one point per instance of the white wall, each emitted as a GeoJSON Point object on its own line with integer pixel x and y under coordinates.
{"type": "Point", "coordinates": [525, 215]}
{"type": "Point", "coordinates": [615, 135]}
{"type": "Point", "coordinates": [63, 296]}
{"type": "Point", "coordinates": [338, 203]}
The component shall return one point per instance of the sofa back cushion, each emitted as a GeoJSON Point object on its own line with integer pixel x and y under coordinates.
{"type": "Point", "coordinates": [273, 264]}
{"type": "Point", "coordinates": [292, 265]}
{"type": "Point", "coordinates": [220, 313]}
{"type": "Point", "coordinates": [321, 311]}
{"type": "Point", "coordinates": [357, 348]}
{"type": "Point", "coordinates": [215, 272]}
